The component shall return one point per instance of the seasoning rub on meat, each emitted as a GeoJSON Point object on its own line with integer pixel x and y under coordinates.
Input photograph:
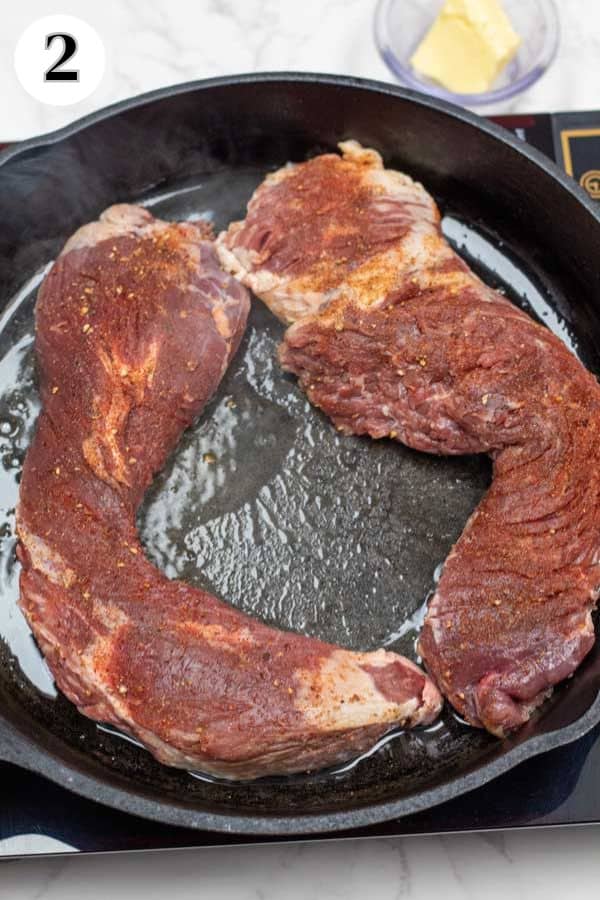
{"type": "Point", "coordinates": [135, 326]}
{"type": "Point", "coordinates": [394, 336]}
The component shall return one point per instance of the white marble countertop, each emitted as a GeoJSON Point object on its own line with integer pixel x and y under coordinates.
{"type": "Point", "coordinates": [152, 43]}
{"type": "Point", "coordinates": [162, 42]}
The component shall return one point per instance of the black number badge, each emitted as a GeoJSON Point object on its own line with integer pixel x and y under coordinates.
{"type": "Point", "coordinates": [69, 48]}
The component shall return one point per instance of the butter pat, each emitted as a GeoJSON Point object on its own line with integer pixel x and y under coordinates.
{"type": "Point", "coordinates": [467, 46]}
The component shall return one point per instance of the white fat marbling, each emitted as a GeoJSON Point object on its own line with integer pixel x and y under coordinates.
{"type": "Point", "coordinates": [152, 43]}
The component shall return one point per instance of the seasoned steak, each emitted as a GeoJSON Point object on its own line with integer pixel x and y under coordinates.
{"type": "Point", "coordinates": [402, 340]}
{"type": "Point", "coordinates": [135, 326]}
{"type": "Point", "coordinates": [332, 222]}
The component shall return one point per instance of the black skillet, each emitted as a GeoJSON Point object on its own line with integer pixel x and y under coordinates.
{"type": "Point", "coordinates": [263, 502]}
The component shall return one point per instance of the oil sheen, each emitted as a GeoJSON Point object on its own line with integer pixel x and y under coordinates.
{"type": "Point", "coordinates": [263, 502]}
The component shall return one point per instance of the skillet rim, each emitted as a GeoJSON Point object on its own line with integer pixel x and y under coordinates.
{"type": "Point", "coordinates": [369, 84]}
{"type": "Point", "coordinates": [21, 750]}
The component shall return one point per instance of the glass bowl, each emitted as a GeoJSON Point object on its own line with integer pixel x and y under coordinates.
{"type": "Point", "coordinates": [400, 25]}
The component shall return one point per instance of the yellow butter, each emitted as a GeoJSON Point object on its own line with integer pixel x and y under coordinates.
{"type": "Point", "coordinates": [467, 46]}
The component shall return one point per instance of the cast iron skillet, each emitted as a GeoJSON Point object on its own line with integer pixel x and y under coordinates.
{"type": "Point", "coordinates": [263, 502]}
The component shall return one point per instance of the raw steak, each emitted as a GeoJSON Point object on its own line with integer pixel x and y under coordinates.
{"type": "Point", "coordinates": [395, 337]}
{"type": "Point", "coordinates": [135, 326]}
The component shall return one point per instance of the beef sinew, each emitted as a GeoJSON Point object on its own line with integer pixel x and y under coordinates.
{"type": "Point", "coordinates": [135, 325]}
{"type": "Point", "coordinates": [395, 336]}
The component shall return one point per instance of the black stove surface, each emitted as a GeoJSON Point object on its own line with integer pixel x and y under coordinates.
{"type": "Point", "coordinates": [561, 787]}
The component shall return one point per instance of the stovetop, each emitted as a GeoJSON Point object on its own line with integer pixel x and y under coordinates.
{"type": "Point", "coordinates": [561, 787]}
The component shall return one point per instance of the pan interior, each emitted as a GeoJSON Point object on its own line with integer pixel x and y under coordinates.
{"type": "Point", "coordinates": [266, 505]}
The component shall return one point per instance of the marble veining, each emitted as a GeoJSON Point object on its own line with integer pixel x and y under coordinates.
{"type": "Point", "coordinates": [152, 44]}
{"type": "Point", "coordinates": [555, 864]}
